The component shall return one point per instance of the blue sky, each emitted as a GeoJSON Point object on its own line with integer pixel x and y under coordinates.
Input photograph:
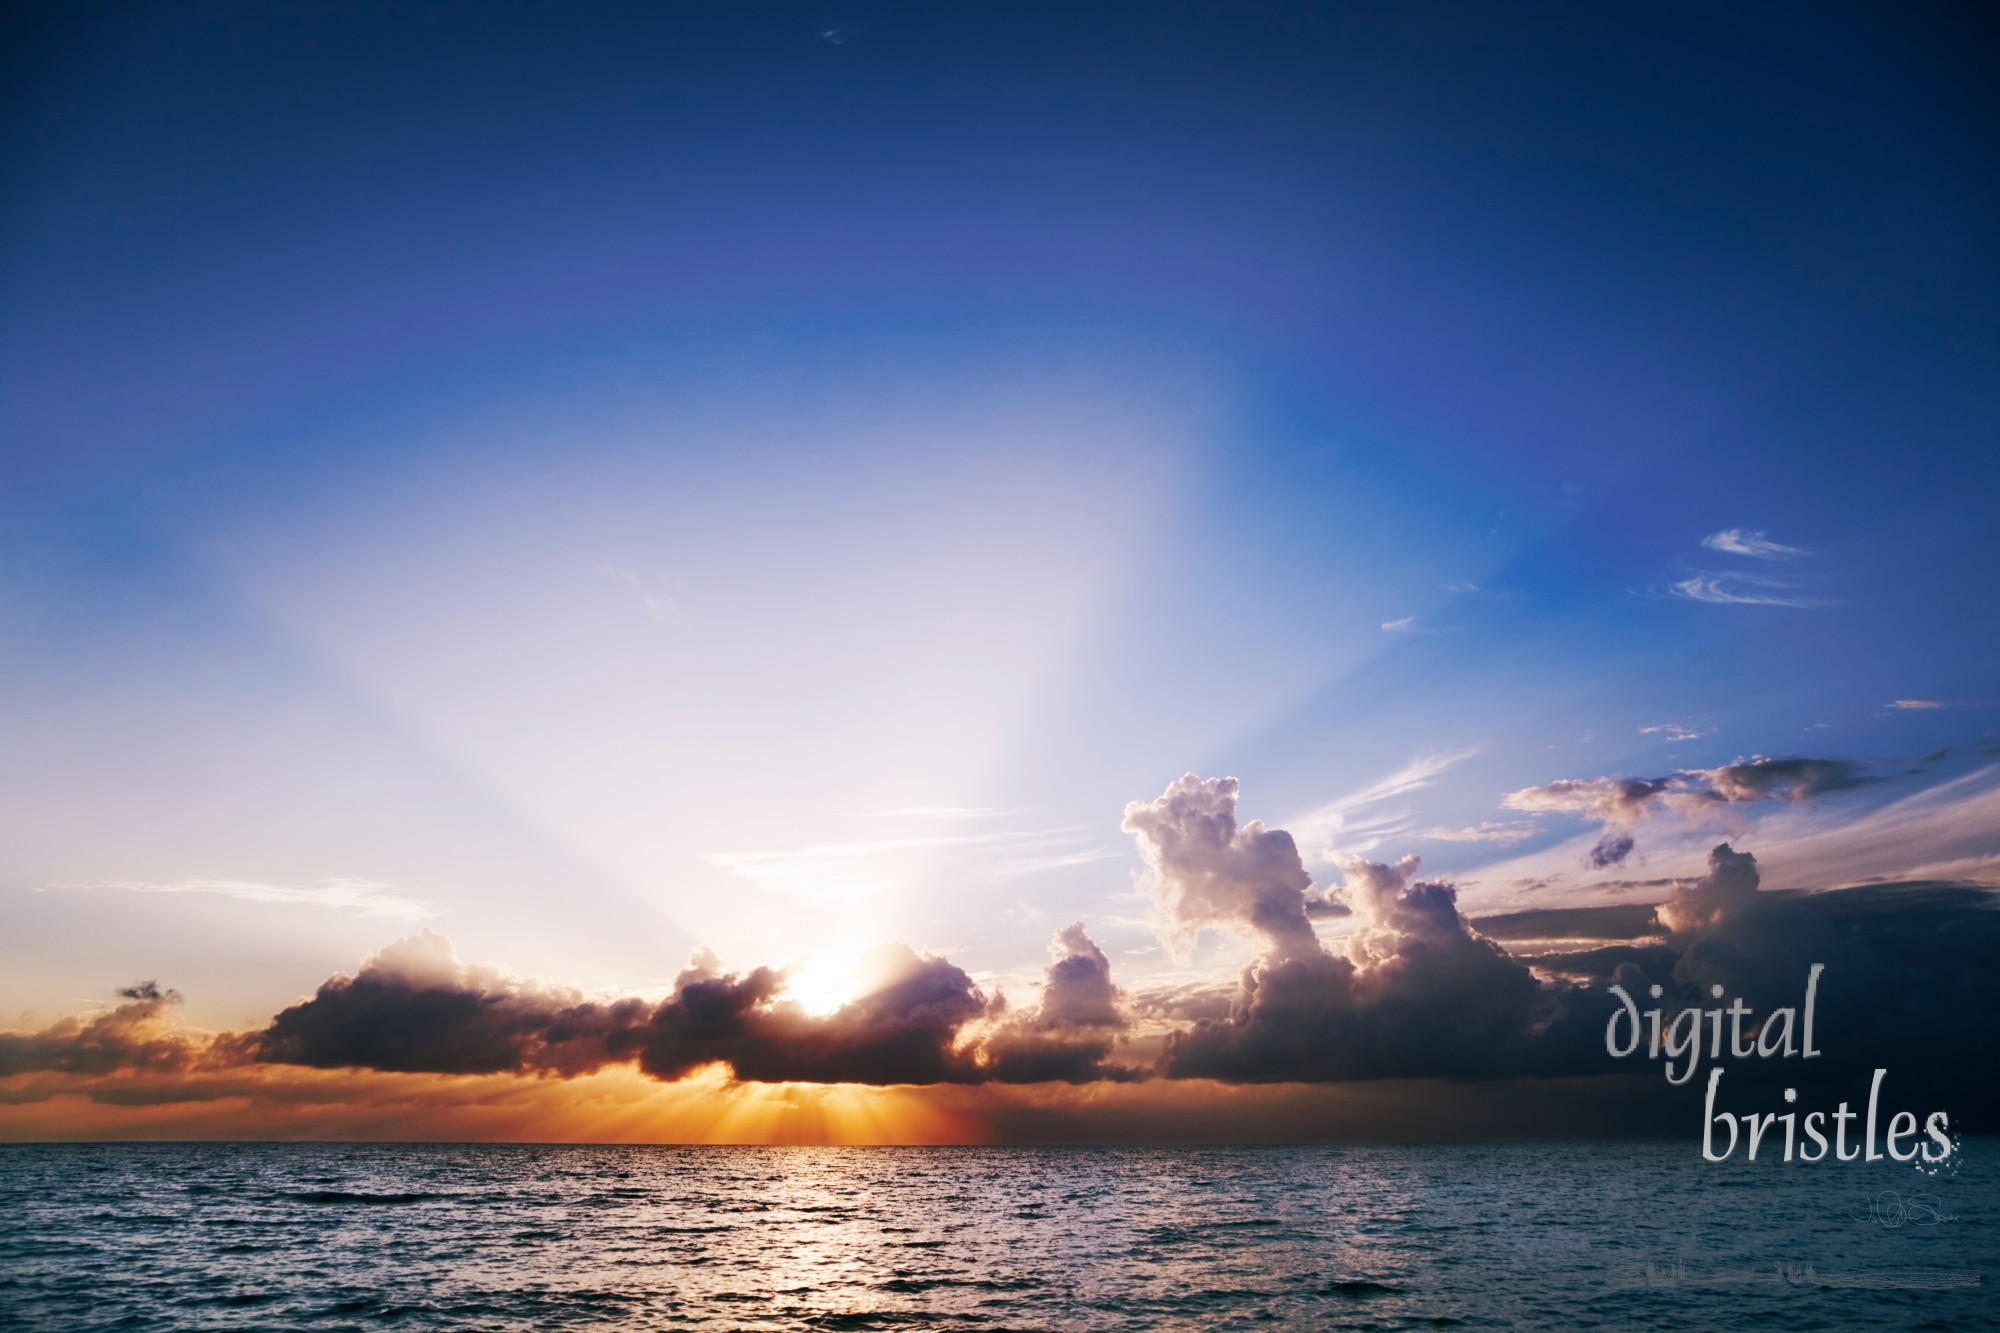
{"type": "Point", "coordinates": [785, 477]}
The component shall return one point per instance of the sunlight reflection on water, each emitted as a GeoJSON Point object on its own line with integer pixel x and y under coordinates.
{"type": "Point", "coordinates": [1515, 1235]}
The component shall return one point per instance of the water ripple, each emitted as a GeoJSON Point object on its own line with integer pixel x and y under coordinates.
{"type": "Point", "coordinates": [274, 1237]}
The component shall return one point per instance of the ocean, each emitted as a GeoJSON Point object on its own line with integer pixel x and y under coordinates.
{"type": "Point", "coordinates": [1521, 1235]}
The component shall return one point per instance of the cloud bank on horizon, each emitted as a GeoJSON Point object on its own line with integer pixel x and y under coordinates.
{"type": "Point", "coordinates": [1410, 988]}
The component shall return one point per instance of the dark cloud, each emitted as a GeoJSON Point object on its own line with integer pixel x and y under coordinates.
{"type": "Point", "coordinates": [1611, 850]}
{"type": "Point", "coordinates": [415, 1008]}
{"type": "Point", "coordinates": [1621, 921]}
{"type": "Point", "coordinates": [903, 1031]}
{"type": "Point", "coordinates": [1790, 780]}
{"type": "Point", "coordinates": [1911, 981]}
{"type": "Point", "coordinates": [1439, 1002]}
{"type": "Point", "coordinates": [1070, 1036]}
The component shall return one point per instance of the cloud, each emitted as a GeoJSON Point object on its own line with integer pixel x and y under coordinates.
{"type": "Point", "coordinates": [1675, 732]}
{"type": "Point", "coordinates": [135, 1035]}
{"type": "Point", "coordinates": [1407, 625]}
{"type": "Point", "coordinates": [1414, 990]}
{"type": "Point", "coordinates": [1611, 850]}
{"type": "Point", "coordinates": [1070, 1035]}
{"type": "Point", "coordinates": [1620, 801]}
{"type": "Point", "coordinates": [1621, 804]}
{"type": "Point", "coordinates": [1204, 871]}
{"type": "Point", "coordinates": [1924, 1007]}
{"type": "Point", "coordinates": [363, 897]}
{"type": "Point", "coordinates": [1352, 825]}
{"type": "Point", "coordinates": [1738, 589]}
{"type": "Point", "coordinates": [1622, 921]}
{"type": "Point", "coordinates": [1741, 541]}
{"type": "Point", "coordinates": [1788, 780]}
{"type": "Point", "coordinates": [1743, 587]}
{"type": "Point", "coordinates": [415, 1008]}
{"type": "Point", "coordinates": [1947, 831]}
{"type": "Point", "coordinates": [1504, 834]}
{"type": "Point", "coordinates": [1926, 705]}
{"type": "Point", "coordinates": [903, 1030]}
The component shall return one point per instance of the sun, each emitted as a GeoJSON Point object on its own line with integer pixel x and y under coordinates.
{"type": "Point", "coordinates": [824, 980]}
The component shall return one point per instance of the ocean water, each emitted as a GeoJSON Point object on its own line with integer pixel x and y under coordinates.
{"type": "Point", "coordinates": [1545, 1235]}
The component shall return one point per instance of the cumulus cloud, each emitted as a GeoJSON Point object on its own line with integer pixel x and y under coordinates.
{"type": "Point", "coordinates": [1414, 991]}
{"type": "Point", "coordinates": [1757, 545]}
{"type": "Point", "coordinates": [1204, 871]}
{"type": "Point", "coordinates": [1069, 1036]}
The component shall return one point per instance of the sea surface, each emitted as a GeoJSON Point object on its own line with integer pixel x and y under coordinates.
{"type": "Point", "coordinates": [1542, 1235]}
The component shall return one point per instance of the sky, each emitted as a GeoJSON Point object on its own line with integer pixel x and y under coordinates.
{"type": "Point", "coordinates": [499, 501]}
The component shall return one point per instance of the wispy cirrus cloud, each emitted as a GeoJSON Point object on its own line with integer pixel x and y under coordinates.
{"type": "Point", "coordinates": [1755, 544]}
{"type": "Point", "coordinates": [1406, 625]}
{"type": "Point", "coordinates": [1731, 588]}
{"type": "Point", "coordinates": [1931, 705]}
{"type": "Point", "coordinates": [1356, 823]}
{"type": "Point", "coordinates": [1675, 732]}
{"type": "Point", "coordinates": [1741, 587]}
{"type": "Point", "coordinates": [363, 897]}
{"type": "Point", "coordinates": [1505, 834]}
